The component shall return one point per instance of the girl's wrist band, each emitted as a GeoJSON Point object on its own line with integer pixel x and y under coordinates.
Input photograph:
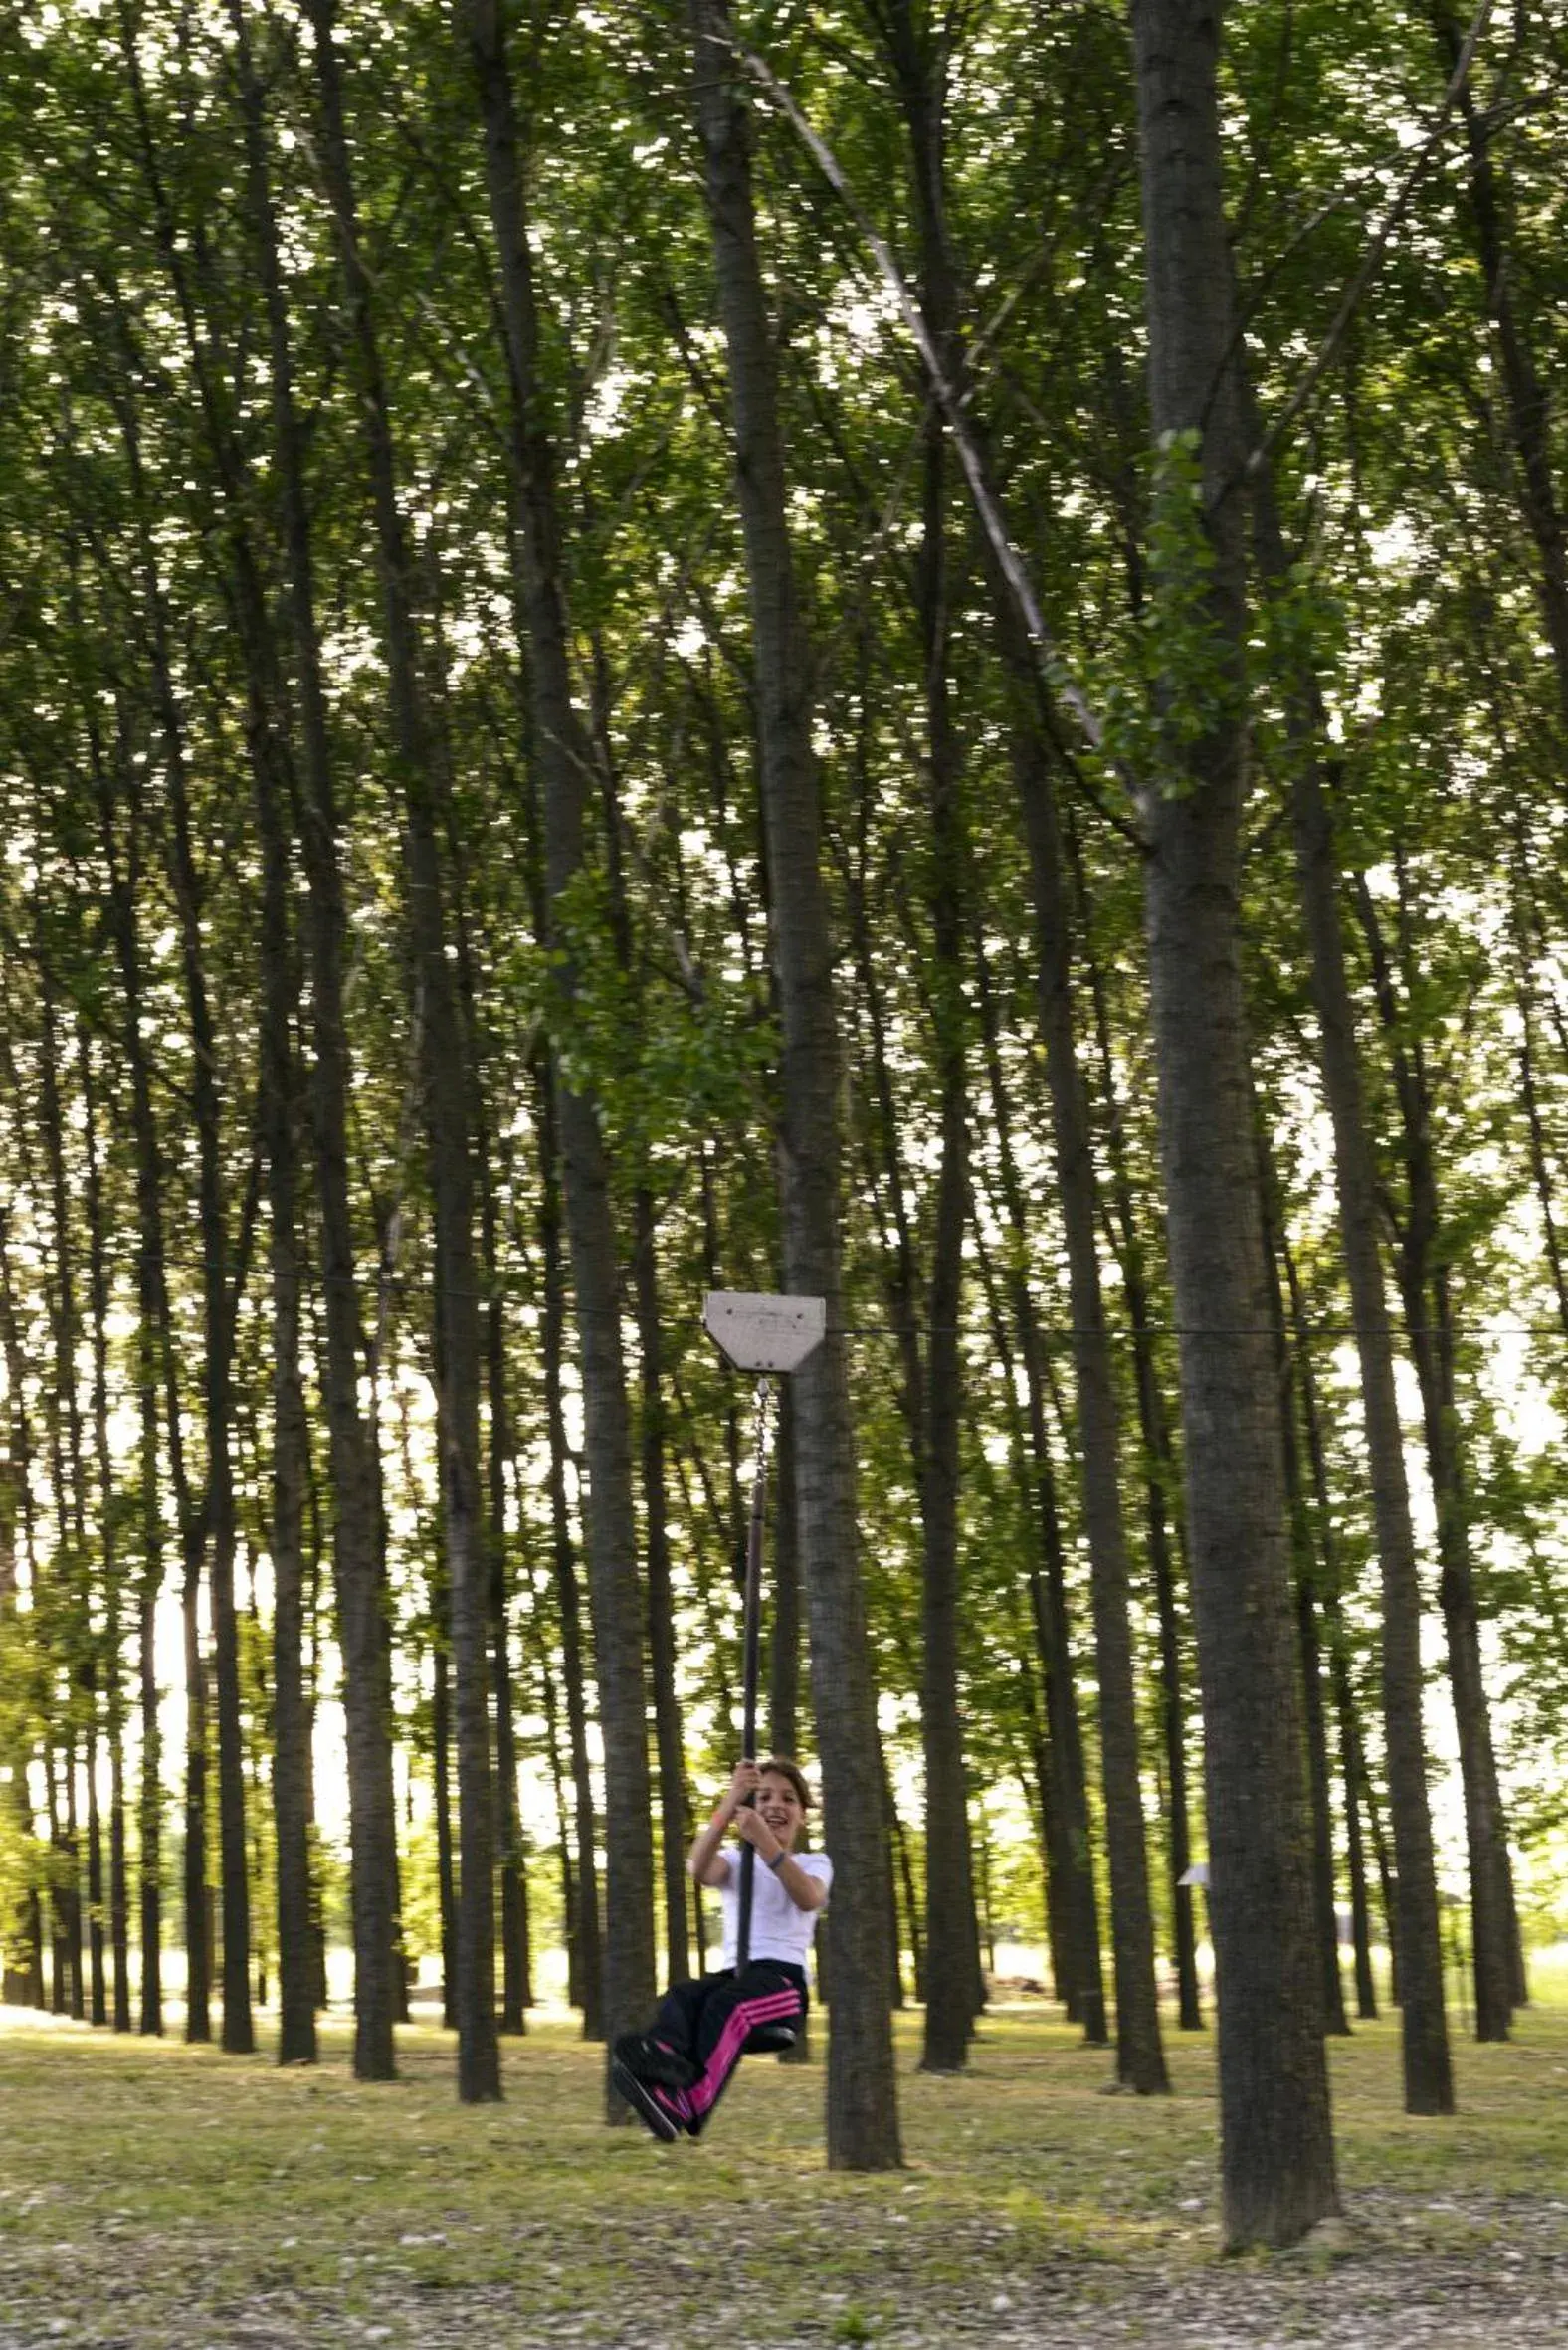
{"type": "Point", "coordinates": [778, 1860]}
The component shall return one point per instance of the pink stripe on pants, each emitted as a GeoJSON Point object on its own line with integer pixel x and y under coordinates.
{"type": "Point", "coordinates": [776, 2007]}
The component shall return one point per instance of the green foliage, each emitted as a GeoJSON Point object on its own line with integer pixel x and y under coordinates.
{"type": "Point", "coordinates": [1183, 688]}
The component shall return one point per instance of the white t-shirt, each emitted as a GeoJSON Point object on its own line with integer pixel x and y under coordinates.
{"type": "Point", "coordinates": [778, 1928]}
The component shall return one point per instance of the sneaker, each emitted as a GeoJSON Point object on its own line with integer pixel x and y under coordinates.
{"type": "Point", "coordinates": [645, 2102]}
{"type": "Point", "coordinates": [656, 2059]}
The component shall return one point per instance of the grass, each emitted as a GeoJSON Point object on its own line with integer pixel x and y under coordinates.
{"type": "Point", "coordinates": [154, 2194]}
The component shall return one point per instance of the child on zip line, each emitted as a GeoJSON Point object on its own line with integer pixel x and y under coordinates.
{"type": "Point", "coordinates": [674, 2073]}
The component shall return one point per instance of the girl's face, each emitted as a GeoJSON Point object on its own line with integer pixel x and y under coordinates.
{"type": "Point", "coordinates": [780, 1807]}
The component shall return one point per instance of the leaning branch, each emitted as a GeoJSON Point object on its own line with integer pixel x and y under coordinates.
{"type": "Point", "coordinates": [948, 399]}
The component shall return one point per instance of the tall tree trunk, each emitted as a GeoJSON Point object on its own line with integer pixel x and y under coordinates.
{"type": "Point", "coordinates": [1422, 1283]}
{"type": "Point", "coordinates": [150, 1283]}
{"type": "Point", "coordinates": [1276, 2143]}
{"type": "Point", "coordinates": [1353, 1766]}
{"type": "Point", "coordinates": [950, 1992]}
{"type": "Point", "coordinates": [561, 750]}
{"type": "Point", "coordinates": [1140, 2057]}
{"type": "Point", "coordinates": [109, 1520]}
{"type": "Point", "coordinates": [1161, 1487]}
{"type": "Point", "coordinates": [918, 50]}
{"type": "Point", "coordinates": [517, 1954]}
{"type": "Point", "coordinates": [1083, 1984]}
{"type": "Point", "coordinates": [209, 1531]}
{"type": "Point", "coordinates": [296, 2043]}
{"type": "Point", "coordinates": [441, 1771]}
{"type": "Point", "coordinates": [1308, 1642]}
{"type": "Point", "coordinates": [924, 1315]}
{"type": "Point", "coordinates": [863, 2116]}
{"type": "Point", "coordinates": [354, 1484]}
{"type": "Point", "coordinates": [950, 1995]}
{"type": "Point", "coordinates": [784, 1638]}
{"type": "Point", "coordinates": [70, 1568]}
{"type": "Point", "coordinates": [673, 1823]}
{"type": "Point", "coordinates": [1428, 2069]}
{"type": "Point", "coordinates": [585, 1941]}
{"type": "Point", "coordinates": [447, 1086]}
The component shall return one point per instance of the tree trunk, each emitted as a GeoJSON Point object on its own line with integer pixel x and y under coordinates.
{"type": "Point", "coordinates": [784, 1643]}
{"type": "Point", "coordinates": [672, 1806]}
{"type": "Point", "coordinates": [1428, 2071]}
{"type": "Point", "coordinates": [1352, 1764]}
{"type": "Point", "coordinates": [924, 1313]}
{"type": "Point", "coordinates": [949, 1863]}
{"type": "Point", "coordinates": [296, 2043]}
{"type": "Point", "coordinates": [1083, 1985]}
{"type": "Point", "coordinates": [1309, 1643]}
{"type": "Point", "coordinates": [208, 1534]}
{"type": "Point", "coordinates": [108, 1536]}
{"type": "Point", "coordinates": [1423, 1287]}
{"type": "Point", "coordinates": [88, 1992]}
{"type": "Point", "coordinates": [356, 1529]}
{"type": "Point", "coordinates": [561, 750]}
{"type": "Point", "coordinates": [517, 1954]}
{"type": "Point", "coordinates": [920, 61]}
{"type": "Point", "coordinates": [151, 1318]}
{"type": "Point", "coordinates": [585, 1944]}
{"type": "Point", "coordinates": [1277, 2144]}
{"type": "Point", "coordinates": [1161, 1487]}
{"type": "Point", "coordinates": [441, 1773]}
{"type": "Point", "coordinates": [1140, 2057]}
{"type": "Point", "coordinates": [447, 1085]}
{"type": "Point", "coordinates": [862, 2119]}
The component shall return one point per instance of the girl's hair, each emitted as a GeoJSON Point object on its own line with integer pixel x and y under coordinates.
{"type": "Point", "coordinates": [782, 1768]}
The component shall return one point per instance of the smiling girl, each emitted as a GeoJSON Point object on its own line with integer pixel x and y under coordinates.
{"type": "Point", "coordinates": [674, 2073]}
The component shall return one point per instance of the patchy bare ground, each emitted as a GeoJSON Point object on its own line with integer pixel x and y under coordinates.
{"type": "Point", "coordinates": [158, 2197]}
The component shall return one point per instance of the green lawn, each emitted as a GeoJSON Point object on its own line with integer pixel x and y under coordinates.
{"type": "Point", "coordinates": [154, 2195]}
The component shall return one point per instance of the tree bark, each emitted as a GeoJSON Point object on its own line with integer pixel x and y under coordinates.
{"type": "Point", "coordinates": [69, 1566]}
{"type": "Point", "coordinates": [1161, 1487]}
{"type": "Point", "coordinates": [561, 754]}
{"type": "Point", "coordinates": [862, 2119]}
{"type": "Point", "coordinates": [1423, 1283]}
{"type": "Point", "coordinates": [114, 1660]}
{"type": "Point", "coordinates": [209, 1533]}
{"type": "Point", "coordinates": [585, 1938]}
{"type": "Point", "coordinates": [151, 1282]}
{"type": "Point", "coordinates": [356, 1517]}
{"type": "Point", "coordinates": [296, 2043]}
{"type": "Point", "coordinates": [1428, 2069]}
{"type": "Point", "coordinates": [446, 1081]}
{"type": "Point", "coordinates": [1308, 1642]}
{"type": "Point", "coordinates": [950, 1992]}
{"type": "Point", "coordinates": [918, 52]}
{"type": "Point", "coordinates": [673, 1823]}
{"type": "Point", "coordinates": [784, 1704]}
{"type": "Point", "coordinates": [517, 1948]}
{"type": "Point", "coordinates": [1352, 1767]}
{"type": "Point", "coordinates": [1277, 2144]}
{"type": "Point", "coordinates": [1081, 1980]}
{"type": "Point", "coordinates": [924, 1313]}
